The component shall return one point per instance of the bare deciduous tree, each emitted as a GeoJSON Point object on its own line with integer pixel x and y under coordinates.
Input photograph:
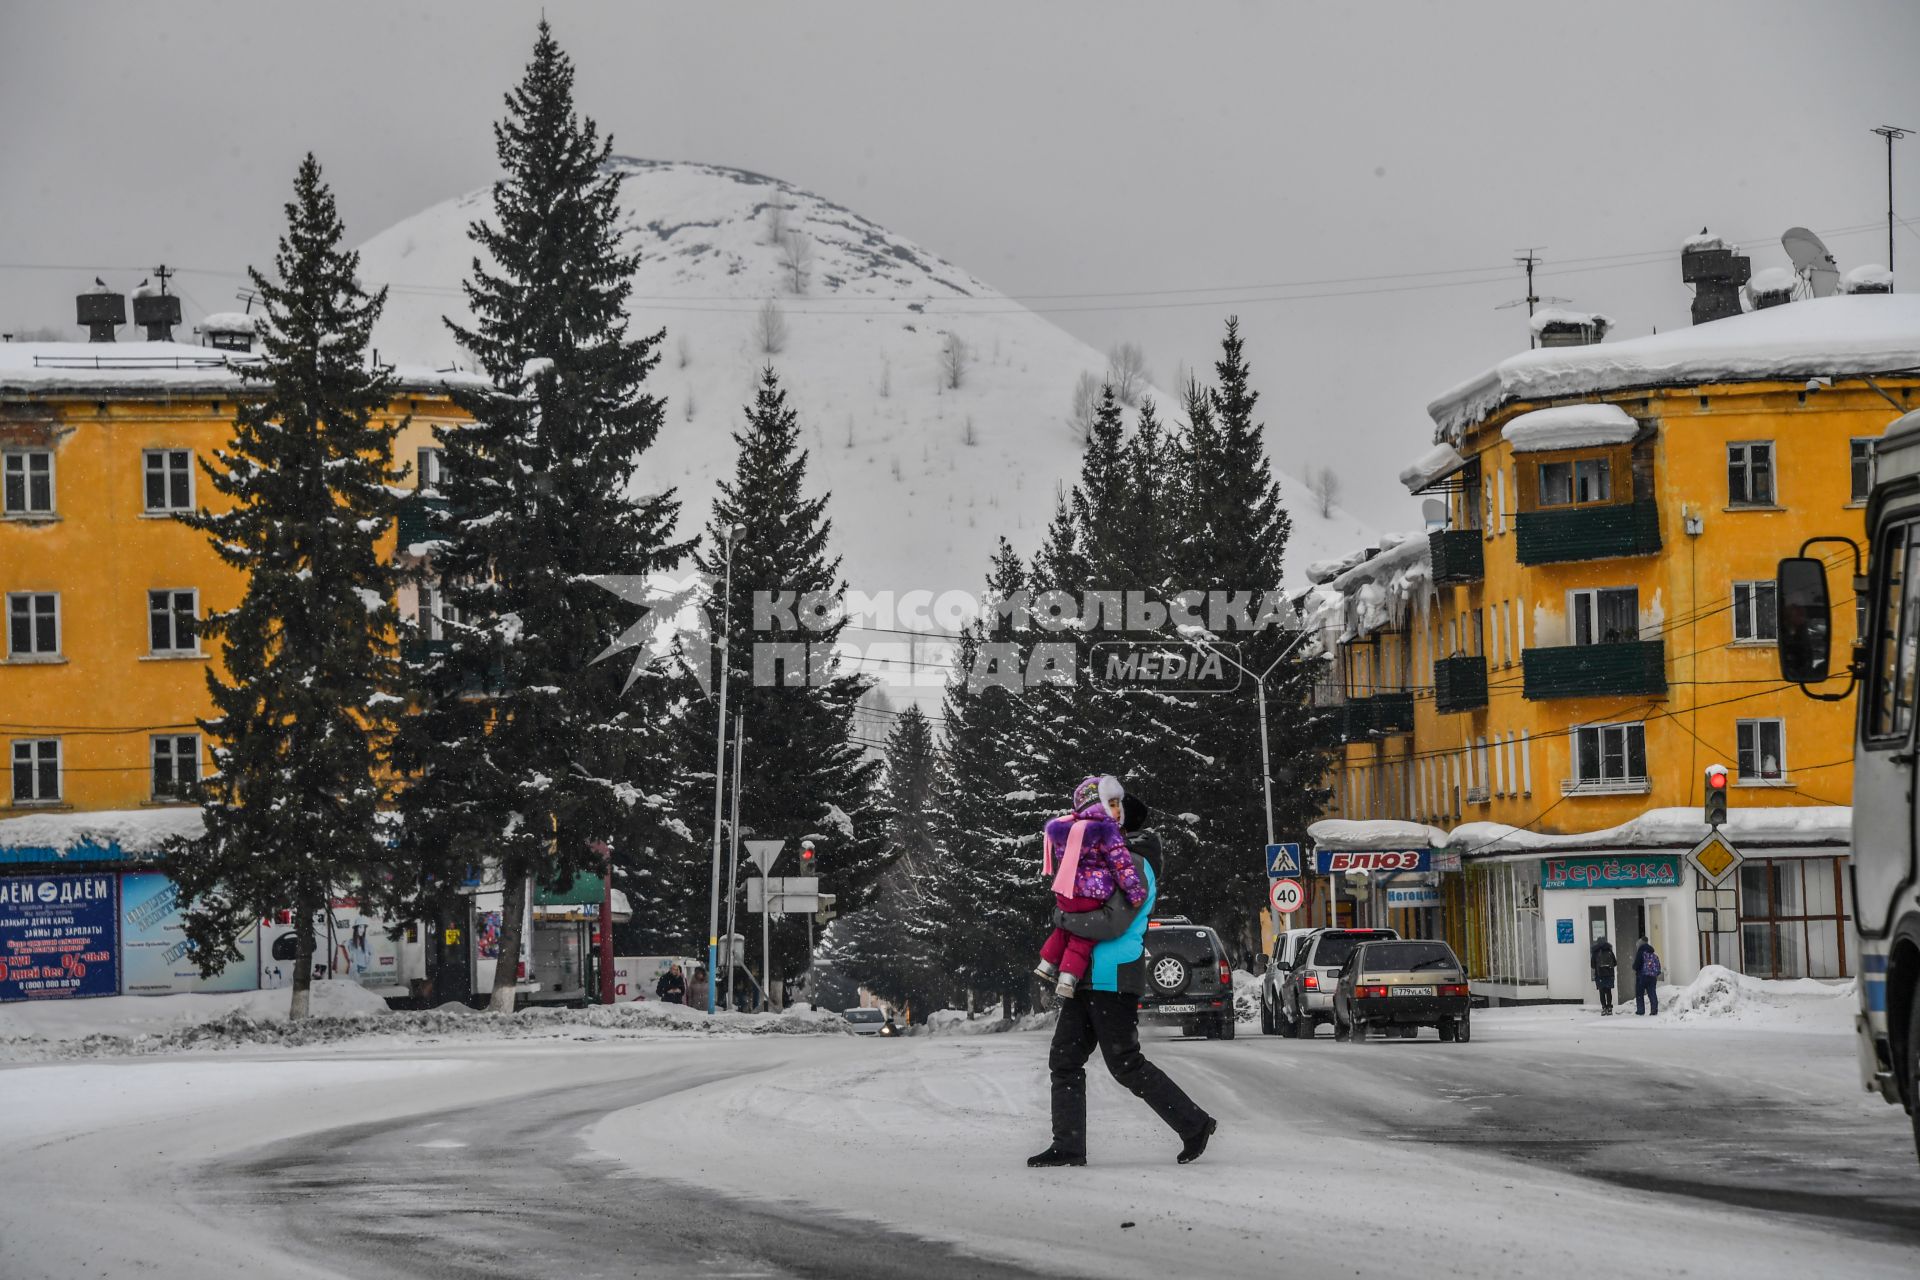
{"type": "Point", "coordinates": [968, 436]}
{"type": "Point", "coordinates": [886, 378]}
{"type": "Point", "coordinates": [1127, 371]}
{"type": "Point", "coordinates": [683, 351]}
{"type": "Point", "coordinates": [777, 221]}
{"type": "Point", "coordinates": [955, 359]}
{"type": "Point", "coordinates": [796, 259]}
{"type": "Point", "coordinates": [1324, 485]}
{"type": "Point", "coordinates": [1086, 403]}
{"type": "Point", "coordinates": [770, 328]}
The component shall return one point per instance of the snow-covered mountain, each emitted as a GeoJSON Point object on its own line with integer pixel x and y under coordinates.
{"type": "Point", "coordinates": [924, 475]}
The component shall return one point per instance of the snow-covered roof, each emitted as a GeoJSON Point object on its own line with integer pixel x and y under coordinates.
{"type": "Point", "coordinates": [1371, 594]}
{"type": "Point", "coordinates": [101, 836]}
{"type": "Point", "coordinates": [1375, 833]}
{"type": "Point", "coordinates": [1867, 276]}
{"type": "Point", "coordinates": [1794, 826]}
{"type": "Point", "coordinates": [1570, 426]}
{"type": "Point", "coordinates": [157, 368]}
{"type": "Point", "coordinates": [230, 322]}
{"type": "Point", "coordinates": [1434, 465]}
{"type": "Point", "coordinates": [1827, 337]}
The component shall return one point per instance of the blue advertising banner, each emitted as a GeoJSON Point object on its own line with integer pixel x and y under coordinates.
{"type": "Point", "coordinates": [154, 958]}
{"type": "Point", "coordinates": [59, 936]}
{"type": "Point", "coordinates": [1327, 861]}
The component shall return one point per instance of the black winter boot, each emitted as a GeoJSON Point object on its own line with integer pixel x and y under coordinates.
{"type": "Point", "coordinates": [1197, 1141]}
{"type": "Point", "coordinates": [1054, 1158]}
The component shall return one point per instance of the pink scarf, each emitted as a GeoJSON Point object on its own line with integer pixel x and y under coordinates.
{"type": "Point", "coordinates": [1069, 860]}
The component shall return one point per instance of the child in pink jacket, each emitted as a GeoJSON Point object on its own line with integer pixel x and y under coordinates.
{"type": "Point", "coordinates": [1094, 863]}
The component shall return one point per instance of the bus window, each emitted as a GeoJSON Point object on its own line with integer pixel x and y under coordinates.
{"type": "Point", "coordinates": [1898, 639]}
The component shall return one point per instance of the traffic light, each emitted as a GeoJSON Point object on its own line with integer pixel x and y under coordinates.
{"type": "Point", "coordinates": [806, 857]}
{"type": "Point", "coordinates": [1716, 795]}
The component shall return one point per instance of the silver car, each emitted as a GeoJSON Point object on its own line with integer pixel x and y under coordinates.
{"type": "Point", "coordinates": [1306, 990]}
{"type": "Point", "coordinates": [866, 1022]}
{"type": "Point", "coordinates": [1288, 947]}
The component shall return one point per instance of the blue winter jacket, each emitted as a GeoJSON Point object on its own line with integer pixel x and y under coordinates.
{"type": "Point", "coordinates": [1117, 963]}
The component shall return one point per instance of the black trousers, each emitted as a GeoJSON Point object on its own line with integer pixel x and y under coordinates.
{"type": "Point", "coordinates": [1110, 1020]}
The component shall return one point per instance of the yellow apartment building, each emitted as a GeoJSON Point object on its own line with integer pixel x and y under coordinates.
{"type": "Point", "coordinates": [104, 672]}
{"type": "Point", "coordinates": [1532, 692]}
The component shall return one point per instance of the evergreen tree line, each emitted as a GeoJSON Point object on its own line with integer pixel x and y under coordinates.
{"type": "Point", "coordinates": [351, 757]}
{"type": "Point", "coordinates": [1158, 510]}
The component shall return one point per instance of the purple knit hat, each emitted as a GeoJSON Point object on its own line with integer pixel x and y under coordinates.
{"type": "Point", "coordinates": [1096, 789]}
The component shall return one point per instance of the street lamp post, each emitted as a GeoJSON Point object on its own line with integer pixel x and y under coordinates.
{"type": "Point", "coordinates": [733, 855]}
{"type": "Point", "coordinates": [720, 767]}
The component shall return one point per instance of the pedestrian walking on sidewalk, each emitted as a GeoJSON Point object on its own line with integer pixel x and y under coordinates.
{"type": "Point", "coordinates": [1605, 964]}
{"type": "Point", "coordinates": [1104, 1013]}
{"type": "Point", "coordinates": [1646, 978]}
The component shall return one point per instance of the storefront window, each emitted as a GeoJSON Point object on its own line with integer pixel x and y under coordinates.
{"type": "Point", "coordinates": [1505, 943]}
{"type": "Point", "coordinates": [1793, 918]}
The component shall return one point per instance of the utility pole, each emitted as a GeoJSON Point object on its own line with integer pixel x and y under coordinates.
{"type": "Point", "coordinates": [720, 766]}
{"type": "Point", "coordinates": [1529, 259]}
{"type": "Point", "coordinates": [1892, 133]}
{"type": "Point", "coordinates": [733, 862]}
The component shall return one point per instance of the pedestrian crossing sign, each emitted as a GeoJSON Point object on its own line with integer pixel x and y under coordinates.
{"type": "Point", "coordinates": [1283, 860]}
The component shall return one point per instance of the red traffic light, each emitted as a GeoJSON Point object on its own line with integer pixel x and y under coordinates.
{"type": "Point", "coordinates": [1717, 777]}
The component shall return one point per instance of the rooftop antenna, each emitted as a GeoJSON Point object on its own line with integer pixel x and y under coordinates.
{"type": "Point", "coordinates": [1528, 259]}
{"type": "Point", "coordinates": [249, 297]}
{"type": "Point", "coordinates": [1811, 261]}
{"type": "Point", "coordinates": [164, 273]}
{"type": "Point", "coordinates": [1892, 133]}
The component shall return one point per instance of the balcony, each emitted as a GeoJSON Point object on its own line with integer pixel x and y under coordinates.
{"type": "Point", "coordinates": [1457, 555]}
{"type": "Point", "coordinates": [1625, 669]}
{"type": "Point", "coordinates": [1558, 534]}
{"type": "Point", "coordinates": [1378, 716]}
{"type": "Point", "coordinates": [412, 519]}
{"type": "Point", "coordinates": [1459, 684]}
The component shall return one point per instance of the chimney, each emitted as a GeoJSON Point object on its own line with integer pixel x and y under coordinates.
{"type": "Point", "coordinates": [158, 311]}
{"type": "Point", "coordinates": [228, 330]}
{"type": "Point", "coordinates": [1772, 287]}
{"type": "Point", "coordinates": [1556, 328]}
{"type": "Point", "coordinates": [101, 310]}
{"type": "Point", "coordinates": [1869, 277]}
{"type": "Point", "coordinates": [1716, 273]}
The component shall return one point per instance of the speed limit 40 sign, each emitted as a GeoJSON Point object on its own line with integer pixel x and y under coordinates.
{"type": "Point", "coordinates": [1285, 896]}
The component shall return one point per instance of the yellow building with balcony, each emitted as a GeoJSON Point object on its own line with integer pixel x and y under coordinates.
{"type": "Point", "coordinates": [103, 674]}
{"type": "Point", "coordinates": [1536, 688]}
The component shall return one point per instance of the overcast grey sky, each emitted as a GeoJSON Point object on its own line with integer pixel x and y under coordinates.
{"type": "Point", "coordinates": [1144, 150]}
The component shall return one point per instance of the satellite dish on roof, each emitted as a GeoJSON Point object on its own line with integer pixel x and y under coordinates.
{"type": "Point", "coordinates": [1811, 261]}
{"type": "Point", "coordinates": [1434, 510]}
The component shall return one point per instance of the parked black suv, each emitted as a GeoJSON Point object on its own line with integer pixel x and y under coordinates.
{"type": "Point", "coordinates": [1189, 978]}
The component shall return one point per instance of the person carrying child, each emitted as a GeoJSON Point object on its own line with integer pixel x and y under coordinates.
{"type": "Point", "coordinates": [1093, 865]}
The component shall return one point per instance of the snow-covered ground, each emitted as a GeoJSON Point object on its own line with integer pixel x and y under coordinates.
{"type": "Point", "coordinates": [1735, 1144]}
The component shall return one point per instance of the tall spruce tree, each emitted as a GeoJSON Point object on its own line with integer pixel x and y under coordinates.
{"type": "Point", "coordinates": [1233, 530]}
{"type": "Point", "coordinates": [802, 775]}
{"type": "Point", "coordinates": [879, 946]}
{"type": "Point", "coordinates": [303, 690]}
{"type": "Point", "coordinates": [526, 752]}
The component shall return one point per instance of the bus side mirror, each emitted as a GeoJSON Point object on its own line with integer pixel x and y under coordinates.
{"type": "Point", "coordinates": [1805, 620]}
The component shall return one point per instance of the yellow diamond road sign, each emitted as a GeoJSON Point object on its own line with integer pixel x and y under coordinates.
{"type": "Point", "coordinates": [1714, 858]}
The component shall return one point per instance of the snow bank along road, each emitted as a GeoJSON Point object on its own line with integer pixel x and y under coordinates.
{"type": "Point", "coordinates": [1554, 1144]}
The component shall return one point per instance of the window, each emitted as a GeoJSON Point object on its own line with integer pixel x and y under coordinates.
{"type": "Point", "coordinates": [33, 624]}
{"type": "Point", "coordinates": [36, 771]}
{"type": "Point", "coordinates": [1565, 483]}
{"type": "Point", "coordinates": [1793, 920]}
{"type": "Point", "coordinates": [1608, 616]}
{"type": "Point", "coordinates": [1896, 637]}
{"type": "Point", "coordinates": [1754, 618]}
{"type": "Point", "coordinates": [173, 622]}
{"type": "Point", "coordinates": [176, 765]}
{"type": "Point", "coordinates": [1750, 474]}
{"type": "Point", "coordinates": [1761, 756]}
{"type": "Point", "coordinates": [1860, 456]}
{"type": "Point", "coordinates": [28, 482]}
{"type": "Point", "coordinates": [1610, 757]}
{"type": "Point", "coordinates": [430, 467]}
{"type": "Point", "coordinates": [169, 479]}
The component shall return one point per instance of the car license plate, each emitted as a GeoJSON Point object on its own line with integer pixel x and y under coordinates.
{"type": "Point", "coordinates": [1413, 991]}
{"type": "Point", "coordinates": [1184, 1008]}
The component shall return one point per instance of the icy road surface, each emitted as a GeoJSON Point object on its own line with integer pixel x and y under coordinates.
{"type": "Point", "coordinates": [1554, 1144]}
